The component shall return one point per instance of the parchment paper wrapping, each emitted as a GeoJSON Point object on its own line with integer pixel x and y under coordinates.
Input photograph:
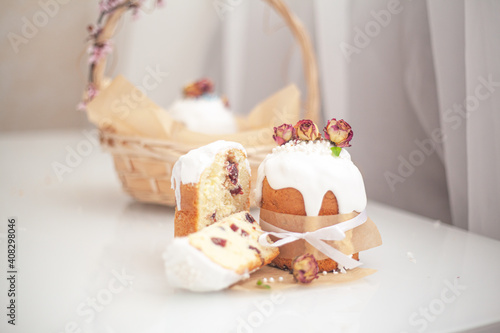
{"type": "Point", "coordinates": [361, 238]}
{"type": "Point", "coordinates": [124, 109]}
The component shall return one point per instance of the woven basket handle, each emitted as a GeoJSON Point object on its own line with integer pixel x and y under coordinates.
{"type": "Point", "coordinates": [312, 104]}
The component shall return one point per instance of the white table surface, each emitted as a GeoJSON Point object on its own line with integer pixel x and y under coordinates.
{"type": "Point", "coordinates": [75, 235]}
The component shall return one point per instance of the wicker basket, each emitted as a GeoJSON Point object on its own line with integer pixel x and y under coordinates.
{"type": "Point", "coordinates": [144, 165]}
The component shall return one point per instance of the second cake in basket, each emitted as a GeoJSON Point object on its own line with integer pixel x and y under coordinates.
{"type": "Point", "coordinates": [210, 183]}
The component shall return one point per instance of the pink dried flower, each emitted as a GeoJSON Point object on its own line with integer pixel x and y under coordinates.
{"type": "Point", "coordinates": [90, 93]}
{"type": "Point", "coordinates": [198, 88]}
{"type": "Point", "coordinates": [307, 130]}
{"type": "Point", "coordinates": [82, 106]}
{"type": "Point", "coordinates": [107, 5]}
{"type": "Point", "coordinates": [98, 51]}
{"type": "Point", "coordinates": [135, 8]}
{"type": "Point", "coordinates": [93, 31]}
{"type": "Point", "coordinates": [284, 133]}
{"type": "Point", "coordinates": [338, 132]}
{"type": "Point", "coordinates": [305, 268]}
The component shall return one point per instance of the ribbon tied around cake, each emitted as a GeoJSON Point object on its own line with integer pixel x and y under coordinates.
{"type": "Point", "coordinates": [317, 238]}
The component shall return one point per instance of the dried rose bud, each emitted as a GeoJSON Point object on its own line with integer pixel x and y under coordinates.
{"type": "Point", "coordinates": [338, 132]}
{"type": "Point", "coordinates": [249, 218]}
{"type": "Point", "coordinates": [305, 268]}
{"type": "Point", "coordinates": [284, 133]}
{"type": "Point", "coordinates": [307, 130]}
{"type": "Point", "coordinates": [198, 88]}
{"type": "Point", "coordinates": [219, 241]}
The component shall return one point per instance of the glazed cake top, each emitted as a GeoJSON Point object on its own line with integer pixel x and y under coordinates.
{"type": "Point", "coordinates": [310, 168]}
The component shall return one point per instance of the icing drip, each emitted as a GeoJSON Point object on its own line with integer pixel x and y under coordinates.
{"type": "Point", "coordinates": [189, 167]}
{"type": "Point", "coordinates": [310, 168]}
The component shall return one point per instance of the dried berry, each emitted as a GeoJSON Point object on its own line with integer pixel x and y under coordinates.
{"type": "Point", "coordinates": [244, 233]}
{"type": "Point", "coordinates": [219, 241]}
{"type": "Point", "coordinates": [232, 169]}
{"type": "Point", "coordinates": [254, 248]}
{"type": "Point", "coordinates": [305, 268]}
{"type": "Point", "coordinates": [249, 218]}
{"type": "Point", "coordinates": [236, 190]}
{"type": "Point", "coordinates": [213, 217]}
{"type": "Point", "coordinates": [234, 227]}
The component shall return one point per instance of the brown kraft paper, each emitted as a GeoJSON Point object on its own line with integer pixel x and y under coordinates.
{"type": "Point", "coordinates": [125, 109]}
{"type": "Point", "coordinates": [361, 238]}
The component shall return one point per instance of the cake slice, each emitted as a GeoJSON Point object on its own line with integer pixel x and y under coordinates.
{"type": "Point", "coordinates": [217, 256]}
{"type": "Point", "coordinates": [210, 183]}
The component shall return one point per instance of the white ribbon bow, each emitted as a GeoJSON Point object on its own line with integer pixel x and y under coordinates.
{"type": "Point", "coordinates": [316, 238]}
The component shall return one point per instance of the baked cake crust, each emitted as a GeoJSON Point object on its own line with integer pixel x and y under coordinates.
{"type": "Point", "coordinates": [290, 201]}
{"type": "Point", "coordinates": [186, 218]}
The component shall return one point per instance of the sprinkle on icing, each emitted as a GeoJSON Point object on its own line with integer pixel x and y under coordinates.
{"type": "Point", "coordinates": [310, 168]}
{"type": "Point", "coordinates": [189, 167]}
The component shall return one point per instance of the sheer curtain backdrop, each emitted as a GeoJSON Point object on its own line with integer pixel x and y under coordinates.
{"type": "Point", "coordinates": [425, 84]}
{"type": "Point", "coordinates": [419, 81]}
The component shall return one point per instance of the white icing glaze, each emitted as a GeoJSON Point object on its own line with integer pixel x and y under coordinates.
{"type": "Point", "coordinates": [204, 115]}
{"type": "Point", "coordinates": [188, 268]}
{"type": "Point", "coordinates": [310, 167]}
{"type": "Point", "coordinates": [189, 167]}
